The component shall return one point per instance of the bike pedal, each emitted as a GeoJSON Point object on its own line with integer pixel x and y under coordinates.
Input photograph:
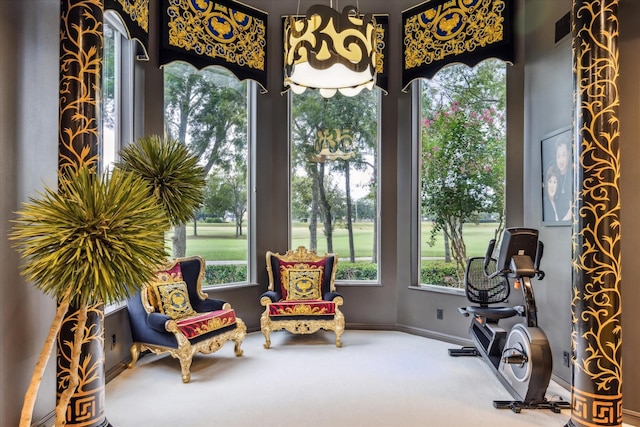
{"type": "Point", "coordinates": [464, 351]}
{"type": "Point", "coordinates": [503, 404]}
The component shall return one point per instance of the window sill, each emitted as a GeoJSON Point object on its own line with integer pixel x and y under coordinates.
{"type": "Point", "coordinates": [358, 283]}
{"type": "Point", "coordinates": [438, 289]}
{"type": "Point", "coordinates": [112, 308]}
{"type": "Point", "coordinates": [228, 287]}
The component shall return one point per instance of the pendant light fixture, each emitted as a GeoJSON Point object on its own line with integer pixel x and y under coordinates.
{"type": "Point", "coordinates": [330, 51]}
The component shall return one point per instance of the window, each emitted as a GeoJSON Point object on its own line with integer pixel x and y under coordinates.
{"type": "Point", "coordinates": [208, 111]}
{"type": "Point", "coordinates": [462, 168]}
{"type": "Point", "coordinates": [116, 110]}
{"type": "Point", "coordinates": [334, 179]}
{"type": "Point", "coordinates": [117, 90]}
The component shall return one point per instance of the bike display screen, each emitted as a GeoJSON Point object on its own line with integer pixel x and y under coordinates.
{"type": "Point", "coordinates": [517, 241]}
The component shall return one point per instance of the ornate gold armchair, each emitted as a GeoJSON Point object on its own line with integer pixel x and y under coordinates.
{"type": "Point", "coordinates": [301, 296]}
{"type": "Point", "coordinates": [172, 315]}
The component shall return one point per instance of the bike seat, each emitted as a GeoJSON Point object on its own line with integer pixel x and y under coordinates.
{"type": "Point", "coordinates": [492, 312]}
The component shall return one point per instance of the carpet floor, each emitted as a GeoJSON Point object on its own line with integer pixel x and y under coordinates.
{"type": "Point", "coordinates": [378, 379]}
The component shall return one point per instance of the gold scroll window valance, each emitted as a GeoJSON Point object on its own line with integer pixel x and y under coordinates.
{"type": "Point", "coordinates": [135, 15]}
{"type": "Point", "coordinates": [223, 32]}
{"type": "Point", "coordinates": [441, 32]}
{"type": "Point", "coordinates": [382, 66]}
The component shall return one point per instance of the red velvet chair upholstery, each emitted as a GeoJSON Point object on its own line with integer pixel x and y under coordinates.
{"type": "Point", "coordinates": [301, 295]}
{"type": "Point", "coordinates": [172, 315]}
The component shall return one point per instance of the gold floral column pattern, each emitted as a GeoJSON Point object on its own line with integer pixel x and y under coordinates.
{"type": "Point", "coordinates": [596, 299]}
{"type": "Point", "coordinates": [80, 70]}
{"type": "Point", "coordinates": [87, 405]}
{"type": "Point", "coordinates": [81, 43]}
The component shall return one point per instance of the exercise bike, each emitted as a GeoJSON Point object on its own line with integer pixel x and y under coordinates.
{"type": "Point", "coordinates": [522, 358]}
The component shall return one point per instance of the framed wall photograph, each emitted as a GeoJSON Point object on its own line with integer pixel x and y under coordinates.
{"type": "Point", "coordinates": [557, 177]}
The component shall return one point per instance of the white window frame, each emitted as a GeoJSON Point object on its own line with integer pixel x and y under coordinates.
{"type": "Point", "coordinates": [124, 62]}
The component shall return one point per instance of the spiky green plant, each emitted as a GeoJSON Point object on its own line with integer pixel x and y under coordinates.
{"type": "Point", "coordinates": [99, 235]}
{"type": "Point", "coordinates": [175, 178]}
{"type": "Point", "coordinates": [92, 240]}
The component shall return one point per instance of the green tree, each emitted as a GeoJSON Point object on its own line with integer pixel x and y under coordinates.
{"type": "Point", "coordinates": [364, 208]}
{"type": "Point", "coordinates": [227, 192]}
{"type": "Point", "coordinates": [217, 198]}
{"type": "Point", "coordinates": [358, 116]}
{"type": "Point", "coordinates": [307, 121]}
{"type": "Point", "coordinates": [301, 198]}
{"type": "Point", "coordinates": [463, 176]}
{"type": "Point", "coordinates": [474, 88]}
{"type": "Point", "coordinates": [206, 110]}
{"type": "Point", "coordinates": [478, 96]}
{"type": "Point", "coordinates": [345, 123]}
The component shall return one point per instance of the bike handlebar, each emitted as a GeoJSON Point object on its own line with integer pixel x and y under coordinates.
{"type": "Point", "coordinates": [536, 264]}
{"type": "Point", "coordinates": [487, 258]}
{"type": "Point", "coordinates": [539, 251]}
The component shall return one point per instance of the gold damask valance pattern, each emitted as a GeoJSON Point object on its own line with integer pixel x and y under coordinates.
{"type": "Point", "coordinates": [222, 32]}
{"type": "Point", "coordinates": [135, 15]}
{"type": "Point", "coordinates": [441, 32]}
{"type": "Point", "coordinates": [382, 63]}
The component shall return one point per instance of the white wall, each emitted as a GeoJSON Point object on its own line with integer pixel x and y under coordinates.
{"type": "Point", "coordinates": [548, 100]}
{"type": "Point", "coordinates": [29, 32]}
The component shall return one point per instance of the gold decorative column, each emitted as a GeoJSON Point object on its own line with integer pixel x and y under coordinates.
{"type": "Point", "coordinates": [87, 405]}
{"type": "Point", "coordinates": [81, 42]}
{"type": "Point", "coordinates": [596, 300]}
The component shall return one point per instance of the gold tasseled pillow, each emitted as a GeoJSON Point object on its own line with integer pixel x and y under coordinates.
{"type": "Point", "coordinates": [301, 280]}
{"type": "Point", "coordinates": [172, 299]}
{"type": "Point", "coordinates": [168, 294]}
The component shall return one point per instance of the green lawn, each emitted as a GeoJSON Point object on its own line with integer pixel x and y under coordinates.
{"type": "Point", "coordinates": [218, 241]}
